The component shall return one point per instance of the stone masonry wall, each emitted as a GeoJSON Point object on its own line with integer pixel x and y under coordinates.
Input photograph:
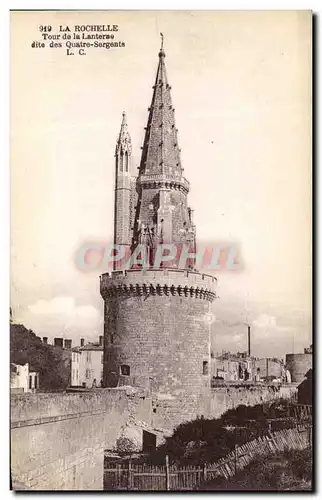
{"type": "Point", "coordinates": [167, 412]}
{"type": "Point", "coordinates": [164, 342]}
{"type": "Point", "coordinates": [58, 440]}
{"type": "Point", "coordinates": [157, 328]}
{"type": "Point", "coordinates": [227, 397]}
{"type": "Point", "coordinates": [298, 365]}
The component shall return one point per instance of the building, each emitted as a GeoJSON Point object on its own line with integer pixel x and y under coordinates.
{"type": "Point", "coordinates": [242, 367]}
{"type": "Point", "coordinates": [270, 368]}
{"type": "Point", "coordinates": [156, 332]}
{"type": "Point", "coordinates": [226, 369]}
{"type": "Point", "coordinates": [87, 365]}
{"type": "Point", "coordinates": [304, 389]}
{"type": "Point", "coordinates": [75, 378]}
{"type": "Point", "coordinates": [23, 380]}
{"type": "Point", "coordinates": [232, 367]}
{"type": "Point", "coordinates": [299, 364]}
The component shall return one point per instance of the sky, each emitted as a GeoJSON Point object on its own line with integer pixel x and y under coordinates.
{"type": "Point", "coordinates": [241, 88]}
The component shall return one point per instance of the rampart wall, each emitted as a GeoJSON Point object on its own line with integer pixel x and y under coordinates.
{"type": "Point", "coordinates": [230, 396]}
{"type": "Point", "coordinates": [58, 439]}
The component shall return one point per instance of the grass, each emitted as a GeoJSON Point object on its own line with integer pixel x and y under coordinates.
{"type": "Point", "coordinates": [287, 471]}
{"type": "Point", "coordinates": [206, 440]}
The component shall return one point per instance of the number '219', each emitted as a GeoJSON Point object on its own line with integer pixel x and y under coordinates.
{"type": "Point", "coordinates": [45, 29]}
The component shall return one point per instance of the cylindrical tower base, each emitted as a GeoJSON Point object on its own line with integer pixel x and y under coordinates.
{"type": "Point", "coordinates": [157, 335]}
{"type": "Point", "coordinates": [298, 365]}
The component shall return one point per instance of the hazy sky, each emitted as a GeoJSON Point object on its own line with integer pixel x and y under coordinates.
{"type": "Point", "coordinates": [241, 87]}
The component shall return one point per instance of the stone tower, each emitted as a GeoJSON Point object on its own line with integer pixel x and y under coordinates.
{"type": "Point", "coordinates": [156, 325]}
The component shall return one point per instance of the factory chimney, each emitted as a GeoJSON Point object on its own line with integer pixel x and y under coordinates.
{"type": "Point", "coordinates": [248, 327]}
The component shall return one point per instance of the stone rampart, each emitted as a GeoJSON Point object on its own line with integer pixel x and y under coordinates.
{"type": "Point", "coordinates": [58, 439]}
{"type": "Point", "coordinates": [227, 396]}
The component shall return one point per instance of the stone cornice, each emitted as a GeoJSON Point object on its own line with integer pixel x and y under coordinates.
{"type": "Point", "coordinates": [162, 282]}
{"type": "Point", "coordinates": [156, 181]}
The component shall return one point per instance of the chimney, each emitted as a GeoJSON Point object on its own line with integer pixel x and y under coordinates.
{"type": "Point", "coordinates": [58, 342]}
{"type": "Point", "coordinates": [101, 340]}
{"type": "Point", "coordinates": [82, 342]}
{"type": "Point", "coordinates": [68, 343]}
{"type": "Point", "coordinates": [45, 340]}
{"type": "Point", "coordinates": [267, 367]}
{"type": "Point", "coordinates": [248, 327]}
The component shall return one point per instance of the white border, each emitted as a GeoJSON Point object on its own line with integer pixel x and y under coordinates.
{"type": "Point", "coordinates": [315, 6]}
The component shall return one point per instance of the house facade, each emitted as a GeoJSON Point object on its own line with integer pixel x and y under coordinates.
{"type": "Point", "coordinates": [87, 365]}
{"type": "Point", "coordinates": [23, 380]}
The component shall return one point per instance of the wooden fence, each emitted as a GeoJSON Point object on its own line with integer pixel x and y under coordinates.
{"type": "Point", "coordinates": [300, 411]}
{"type": "Point", "coordinates": [145, 477]}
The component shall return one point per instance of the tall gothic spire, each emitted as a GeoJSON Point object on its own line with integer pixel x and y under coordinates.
{"type": "Point", "coordinates": [122, 202]}
{"type": "Point", "coordinates": [123, 143]}
{"type": "Point", "coordinates": [161, 153]}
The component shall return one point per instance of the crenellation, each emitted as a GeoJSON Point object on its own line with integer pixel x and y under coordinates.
{"type": "Point", "coordinates": [178, 282]}
{"type": "Point", "coordinates": [159, 274]}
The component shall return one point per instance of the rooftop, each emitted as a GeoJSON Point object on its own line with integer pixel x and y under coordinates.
{"type": "Point", "coordinates": [91, 346]}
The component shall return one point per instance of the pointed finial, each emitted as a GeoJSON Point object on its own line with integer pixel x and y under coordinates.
{"type": "Point", "coordinates": [161, 53]}
{"type": "Point", "coordinates": [124, 123]}
{"type": "Point", "coordinates": [124, 138]}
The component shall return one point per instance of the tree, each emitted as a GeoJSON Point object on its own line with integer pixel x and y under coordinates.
{"type": "Point", "coordinates": [49, 361]}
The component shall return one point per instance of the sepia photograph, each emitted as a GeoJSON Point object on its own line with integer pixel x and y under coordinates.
{"type": "Point", "coordinates": [161, 251]}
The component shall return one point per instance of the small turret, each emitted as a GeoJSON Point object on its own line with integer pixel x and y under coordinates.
{"type": "Point", "coordinates": [123, 151]}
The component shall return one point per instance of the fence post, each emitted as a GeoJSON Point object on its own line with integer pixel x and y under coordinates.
{"type": "Point", "coordinates": [129, 477]}
{"type": "Point", "coordinates": [205, 472]}
{"type": "Point", "coordinates": [118, 475]}
{"type": "Point", "coordinates": [235, 451]}
{"type": "Point", "coordinates": [235, 457]}
{"type": "Point", "coordinates": [167, 474]}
